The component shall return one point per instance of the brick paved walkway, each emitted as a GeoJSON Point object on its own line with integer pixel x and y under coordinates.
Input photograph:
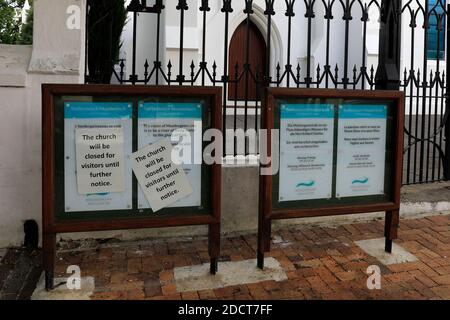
{"type": "Point", "coordinates": [321, 263]}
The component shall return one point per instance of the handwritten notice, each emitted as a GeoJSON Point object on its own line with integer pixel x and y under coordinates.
{"type": "Point", "coordinates": [160, 120]}
{"type": "Point", "coordinates": [162, 181]}
{"type": "Point", "coordinates": [100, 160]}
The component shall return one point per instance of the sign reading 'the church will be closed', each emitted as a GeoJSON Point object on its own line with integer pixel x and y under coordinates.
{"type": "Point", "coordinates": [100, 158]}
{"type": "Point", "coordinates": [162, 181]}
{"type": "Point", "coordinates": [166, 120]}
{"type": "Point", "coordinates": [97, 147]}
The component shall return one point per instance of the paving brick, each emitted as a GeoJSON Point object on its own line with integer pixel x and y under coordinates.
{"type": "Point", "coordinates": [341, 295]}
{"type": "Point", "coordinates": [166, 276]}
{"type": "Point", "coordinates": [150, 264]}
{"type": "Point", "coordinates": [444, 262]}
{"type": "Point", "coordinates": [174, 296]}
{"type": "Point", "coordinates": [429, 250]}
{"type": "Point", "coordinates": [206, 295]}
{"type": "Point", "coordinates": [169, 289]}
{"type": "Point", "coordinates": [103, 280]}
{"type": "Point", "coordinates": [231, 291]}
{"type": "Point", "coordinates": [403, 267]}
{"type": "Point", "coordinates": [318, 284]}
{"type": "Point", "coordinates": [412, 246]}
{"type": "Point", "coordinates": [118, 277]}
{"type": "Point", "coordinates": [443, 270]}
{"type": "Point", "coordinates": [346, 275]}
{"type": "Point", "coordinates": [114, 295]}
{"type": "Point", "coordinates": [152, 291]}
{"type": "Point", "coordinates": [442, 279]}
{"type": "Point", "coordinates": [426, 292]}
{"type": "Point", "coordinates": [331, 265]}
{"type": "Point", "coordinates": [325, 275]}
{"type": "Point", "coordinates": [292, 274]}
{"type": "Point", "coordinates": [117, 265]}
{"type": "Point", "coordinates": [422, 278]}
{"type": "Point", "coordinates": [243, 297]}
{"type": "Point", "coordinates": [105, 254]}
{"type": "Point", "coordinates": [313, 263]}
{"type": "Point", "coordinates": [136, 294]}
{"type": "Point", "coordinates": [286, 263]}
{"type": "Point", "coordinates": [442, 291]}
{"type": "Point", "coordinates": [134, 265]}
{"type": "Point", "coordinates": [270, 285]}
{"type": "Point", "coordinates": [399, 277]}
{"type": "Point", "coordinates": [257, 292]}
{"type": "Point", "coordinates": [427, 270]}
{"type": "Point", "coordinates": [236, 257]}
{"type": "Point", "coordinates": [127, 285]}
{"type": "Point", "coordinates": [193, 295]}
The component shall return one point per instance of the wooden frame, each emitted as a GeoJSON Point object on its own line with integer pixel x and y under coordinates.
{"type": "Point", "coordinates": [266, 211]}
{"type": "Point", "coordinates": [51, 226]}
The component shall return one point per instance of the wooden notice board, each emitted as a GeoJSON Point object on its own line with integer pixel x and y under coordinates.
{"type": "Point", "coordinates": [135, 117]}
{"type": "Point", "coordinates": [336, 152]}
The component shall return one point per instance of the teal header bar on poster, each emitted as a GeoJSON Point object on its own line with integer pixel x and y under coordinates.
{"type": "Point", "coordinates": [349, 111]}
{"type": "Point", "coordinates": [98, 110]}
{"type": "Point", "coordinates": [307, 111]}
{"type": "Point", "coordinates": [170, 110]}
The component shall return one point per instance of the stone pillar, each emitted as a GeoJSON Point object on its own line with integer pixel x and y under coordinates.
{"type": "Point", "coordinates": [59, 37]}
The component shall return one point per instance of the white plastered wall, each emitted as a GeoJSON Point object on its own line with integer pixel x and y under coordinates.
{"type": "Point", "coordinates": [57, 56]}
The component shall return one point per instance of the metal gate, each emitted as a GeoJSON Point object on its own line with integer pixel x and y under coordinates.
{"type": "Point", "coordinates": [410, 55]}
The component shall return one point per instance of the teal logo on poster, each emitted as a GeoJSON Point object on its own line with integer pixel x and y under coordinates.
{"type": "Point", "coordinates": [360, 181]}
{"type": "Point", "coordinates": [306, 184]}
{"type": "Point", "coordinates": [97, 194]}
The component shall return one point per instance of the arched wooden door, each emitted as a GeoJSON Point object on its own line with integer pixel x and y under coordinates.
{"type": "Point", "coordinates": [238, 54]}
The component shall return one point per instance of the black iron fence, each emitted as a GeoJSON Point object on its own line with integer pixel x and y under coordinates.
{"type": "Point", "coordinates": [410, 55]}
{"type": "Point", "coordinates": [425, 83]}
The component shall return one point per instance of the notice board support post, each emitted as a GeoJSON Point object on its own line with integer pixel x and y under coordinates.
{"type": "Point", "coordinates": [388, 78]}
{"type": "Point", "coordinates": [265, 184]}
{"type": "Point", "coordinates": [49, 257]}
{"type": "Point", "coordinates": [214, 247]}
{"type": "Point", "coordinates": [261, 233]}
{"type": "Point", "coordinates": [262, 227]}
{"type": "Point", "coordinates": [263, 240]}
{"type": "Point", "coordinates": [264, 224]}
{"type": "Point", "coordinates": [390, 229]}
{"type": "Point", "coordinates": [48, 198]}
{"type": "Point", "coordinates": [261, 236]}
{"type": "Point", "coordinates": [392, 218]}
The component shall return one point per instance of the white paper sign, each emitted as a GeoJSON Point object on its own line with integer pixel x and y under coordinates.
{"type": "Point", "coordinates": [162, 181]}
{"type": "Point", "coordinates": [158, 120]}
{"type": "Point", "coordinates": [306, 151]}
{"type": "Point", "coordinates": [361, 156]}
{"type": "Point", "coordinates": [100, 163]}
{"type": "Point", "coordinates": [96, 115]}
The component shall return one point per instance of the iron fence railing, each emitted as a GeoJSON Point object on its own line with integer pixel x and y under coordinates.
{"type": "Point", "coordinates": [343, 59]}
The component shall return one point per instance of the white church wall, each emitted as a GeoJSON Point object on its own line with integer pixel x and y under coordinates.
{"type": "Point", "coordinates": [146, 41]}
{"type": "Point", "coordinates": [215, 35]}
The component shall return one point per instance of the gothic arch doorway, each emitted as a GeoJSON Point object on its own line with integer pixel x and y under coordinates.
{"type": "Point", "coordinates": [246, 88]}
